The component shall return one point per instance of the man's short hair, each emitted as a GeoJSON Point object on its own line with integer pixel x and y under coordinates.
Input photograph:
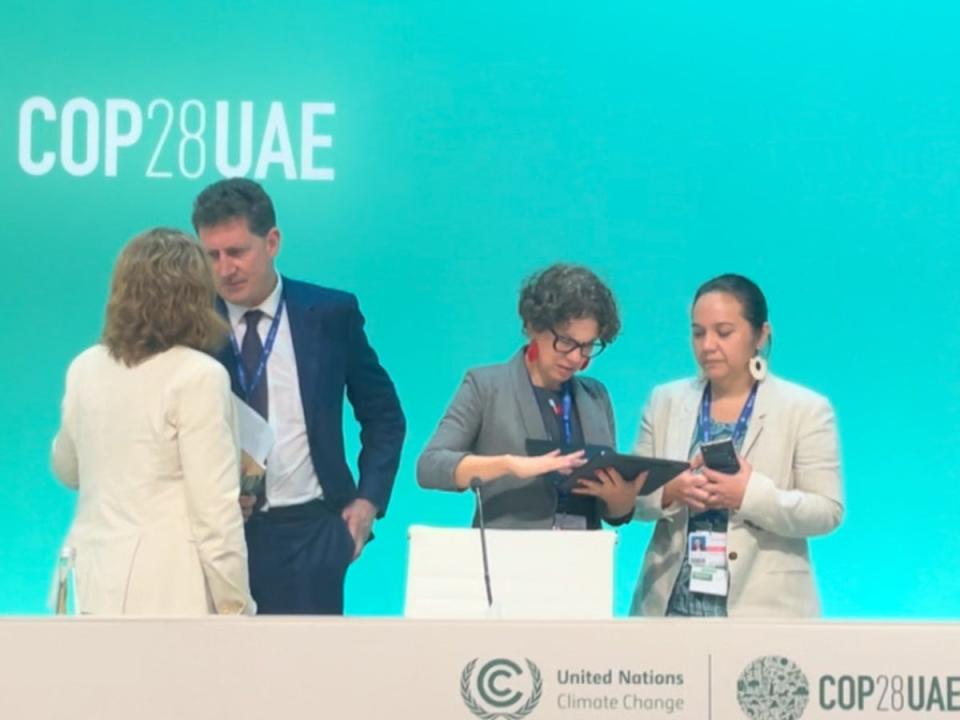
{"type": "Point", "coordinates": [232, 199]}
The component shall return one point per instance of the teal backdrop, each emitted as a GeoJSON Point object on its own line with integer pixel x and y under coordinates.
{"type": "Point", "coordinates": [813, 147]}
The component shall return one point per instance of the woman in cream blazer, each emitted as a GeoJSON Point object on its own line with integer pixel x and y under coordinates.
{"type": "Point", "coordinates": [788, 488]}
{"type": "Point", "coordinates": [149, 439]}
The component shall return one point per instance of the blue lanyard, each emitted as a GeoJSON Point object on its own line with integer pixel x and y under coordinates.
{"type": "Point", "coordinates": [740, 429]}
{"type": "Point", "coordinates": [566, 414]}
{"type": "Point", "coordinates": [264, 355]}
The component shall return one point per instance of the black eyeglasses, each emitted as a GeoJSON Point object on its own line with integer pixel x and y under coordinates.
{"type": "Point", "coordinates": [566, 345]}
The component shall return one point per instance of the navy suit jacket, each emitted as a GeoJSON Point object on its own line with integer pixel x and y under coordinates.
{"type": "Point", "coordinates": [334, 358]}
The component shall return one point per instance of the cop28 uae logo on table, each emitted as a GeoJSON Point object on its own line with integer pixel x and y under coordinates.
{"type": "Point", "coordinates": [773, 688]}
{"type": "Point", "coordinates": [503, 690]}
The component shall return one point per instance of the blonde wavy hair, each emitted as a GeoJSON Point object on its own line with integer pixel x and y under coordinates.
{"type": "Point", "coordinates": [161, 295]}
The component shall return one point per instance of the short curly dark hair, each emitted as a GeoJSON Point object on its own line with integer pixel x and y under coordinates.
{"type": "Point", "coordinates": [561, 293]}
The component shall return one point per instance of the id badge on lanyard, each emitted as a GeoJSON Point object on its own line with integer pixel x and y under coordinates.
{"type": "Point", "coordinates": [706, 550]}
{"type": "Point", "coordinates": [707, 554]}
{"type": "Point", "coordinates": [562, 520]}
{"type": "Point", "coordinates": [566, 521]}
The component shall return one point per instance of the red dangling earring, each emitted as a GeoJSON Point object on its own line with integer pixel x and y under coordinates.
{"type": "Point", "coordinates": [533, 352]}
{"type": "Point", "coordinates": [586, 362]}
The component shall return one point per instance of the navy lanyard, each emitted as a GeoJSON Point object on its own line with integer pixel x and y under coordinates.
{"type": "Point", "coordinates": [264, 355]}
{"type": "Point", "coordinates": [566, 415]}
{"type": "Point", "coordinates": [740, 429]}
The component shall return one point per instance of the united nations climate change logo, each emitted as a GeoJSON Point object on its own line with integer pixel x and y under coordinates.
{"type": "Point", "coordinates": [504, 689]}
{"type": "Point", "coordinates": [773, 688]}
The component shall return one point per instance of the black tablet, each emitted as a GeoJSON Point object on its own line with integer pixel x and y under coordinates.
{"type": "Point", "coordinates": [602, 457]}
{"type": "Point", "coordinates": [542, 447]}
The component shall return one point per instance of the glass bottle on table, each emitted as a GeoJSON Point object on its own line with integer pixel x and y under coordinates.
{"type": "Point", "coordinates": [67, 583]}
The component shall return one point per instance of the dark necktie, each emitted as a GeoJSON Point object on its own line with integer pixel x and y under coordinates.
{"type": "Point", "coordinates": [250, 352]}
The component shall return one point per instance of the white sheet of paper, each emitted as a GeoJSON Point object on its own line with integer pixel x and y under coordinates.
{"type": "Point", "coordinates": [256, 435]}
{"type": "Point", "coordinates": [709, 580]}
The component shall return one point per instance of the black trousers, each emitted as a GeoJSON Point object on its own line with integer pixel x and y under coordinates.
{"type": "Point", "coordinates": [299, 557]}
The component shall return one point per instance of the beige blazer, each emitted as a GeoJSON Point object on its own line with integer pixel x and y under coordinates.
{"type": "Point", "coordinates": [794, 493]}
{"type": "Point", "coordinates": [153, 451]}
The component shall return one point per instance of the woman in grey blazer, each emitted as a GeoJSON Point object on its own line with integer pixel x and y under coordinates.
{"type": "Point", "coordinates": [569, 317]}
{"type": "Point", "coordinates": [736, 544]}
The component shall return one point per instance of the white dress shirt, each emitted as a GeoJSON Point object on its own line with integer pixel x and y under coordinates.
{"type": "Point", "coordinates": [291, 478]}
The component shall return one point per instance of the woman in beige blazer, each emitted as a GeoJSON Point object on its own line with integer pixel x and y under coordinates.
{"type": "Point", "coordinates": [757, 520]}
{"type": "Point", "coordinates": [148, 438]}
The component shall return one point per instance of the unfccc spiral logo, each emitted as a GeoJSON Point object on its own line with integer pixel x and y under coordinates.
{"type": "Point", "coordinates": [773, 688]}
{"type": "Point", "coordinates": [504, 689]}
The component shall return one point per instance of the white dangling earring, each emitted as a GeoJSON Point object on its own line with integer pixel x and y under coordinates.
{"type": "Point", "coordinates": [758, 367]}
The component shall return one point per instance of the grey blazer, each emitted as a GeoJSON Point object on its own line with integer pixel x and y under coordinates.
{"type": "Point", "coordinates": [493, 413]}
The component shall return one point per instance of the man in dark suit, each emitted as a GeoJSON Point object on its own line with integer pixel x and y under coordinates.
{"type": "Point", "coordinates": [295, 350]}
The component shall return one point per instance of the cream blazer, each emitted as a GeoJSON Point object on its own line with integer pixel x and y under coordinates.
{"type": "Point", "coordinates": [794, 493]}
{"type": "Point", "coordinates": [153, 451]}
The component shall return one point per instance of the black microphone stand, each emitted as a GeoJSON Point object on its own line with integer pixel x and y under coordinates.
{"type": "Point", "coordinates": [475, 484]}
